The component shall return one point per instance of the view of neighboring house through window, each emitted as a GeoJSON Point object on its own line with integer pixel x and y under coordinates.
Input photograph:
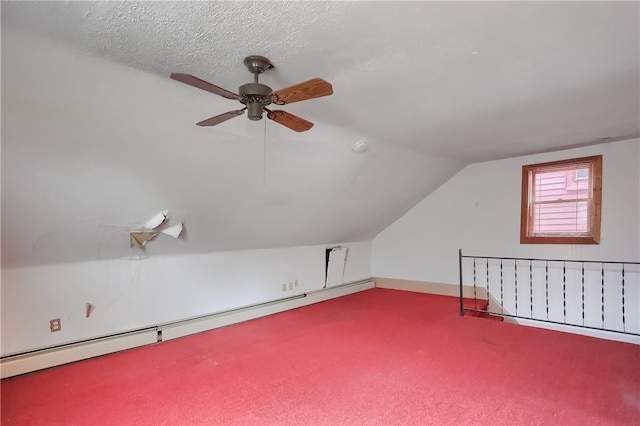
{"type": "Point", "coordinates": [561, 202]}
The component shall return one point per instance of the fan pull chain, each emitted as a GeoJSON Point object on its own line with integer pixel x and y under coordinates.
{"type": "Point", "coordinates": [264, 155]}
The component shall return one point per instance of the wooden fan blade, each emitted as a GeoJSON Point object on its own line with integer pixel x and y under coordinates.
{"type": "Point", "coordinates": [289, 120]}
{"type": "Point", "coordinates": [204, 85]}
{"type": "Point", "coordinates": [310, 89]}
{"type": "Point", "coordinates": [220, 118]}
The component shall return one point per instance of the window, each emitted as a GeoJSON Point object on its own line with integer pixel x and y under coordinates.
{"type": "Point", "coordinates": [561, 202]}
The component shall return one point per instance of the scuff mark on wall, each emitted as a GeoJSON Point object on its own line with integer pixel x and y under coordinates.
{"type": "Point", "coordinates": [89, 309]}
{"type": "Point", "coordinates": [135, 268]}
{"type": "Point", "coordinates": [114, 300]}
{"type": "Point", "coordinates": [40, 238]}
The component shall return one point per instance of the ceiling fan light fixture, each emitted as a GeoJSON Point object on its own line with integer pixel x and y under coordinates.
{"type": "Point", "coordinates": [254, 111]}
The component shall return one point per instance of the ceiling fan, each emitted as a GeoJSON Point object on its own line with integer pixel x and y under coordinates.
{"type": "Point", "coordinates": [256, 96]}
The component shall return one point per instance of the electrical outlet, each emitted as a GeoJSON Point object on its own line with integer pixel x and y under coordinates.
{"type": "Point", "coordinates": [291, 285]}
{"type": "Point", "coordinates": [55, 325]}
{"type": "Point", "coordinates": [284, 287]}
{"type": "Point", "coordinates": [295, 283]}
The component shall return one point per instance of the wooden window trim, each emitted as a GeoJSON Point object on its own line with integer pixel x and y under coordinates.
{"type": "Point", "coordinates": [594, 210]}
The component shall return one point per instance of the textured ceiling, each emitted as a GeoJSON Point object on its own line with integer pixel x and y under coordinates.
{"type": "Point", "coordinates": [96, 137]}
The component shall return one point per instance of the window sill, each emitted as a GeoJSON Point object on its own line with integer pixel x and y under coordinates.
{"type": "Point", "coordinates": [560, 240]}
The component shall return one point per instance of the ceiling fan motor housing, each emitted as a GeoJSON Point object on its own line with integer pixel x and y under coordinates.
{"type": "Point", "coordinates": [255, 96]}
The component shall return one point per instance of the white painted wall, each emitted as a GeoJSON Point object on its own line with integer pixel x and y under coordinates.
{"type": "Point", "coordinates": [478, 210]}
{"type": "Point", "coordinates": [130, 294]}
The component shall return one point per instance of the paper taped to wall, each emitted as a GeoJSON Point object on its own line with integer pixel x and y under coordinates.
{"type": "Point", "coordinates": [157, 220]}
{"type": "Point", "coordinates": [173, 230]}
{"type": "Point", "coordinates": [140, 239]}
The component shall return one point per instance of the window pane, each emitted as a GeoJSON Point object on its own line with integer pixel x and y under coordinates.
{"type": "Point", "coordinates": [559, 185]}
{"type": "Point", "coordinates": [562, 217]}
{"type": "Point", "coordinates": [582, 174]}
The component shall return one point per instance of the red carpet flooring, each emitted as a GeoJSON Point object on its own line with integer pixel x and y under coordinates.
{"type": "Point", "coordinates": [376, 357]}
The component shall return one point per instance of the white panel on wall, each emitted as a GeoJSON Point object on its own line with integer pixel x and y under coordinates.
{"type": "Point", "coordinates": [336, 266]}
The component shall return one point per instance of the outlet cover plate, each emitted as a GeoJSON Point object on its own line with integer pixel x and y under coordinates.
{"type": "Point", "coordinates": [55, 325]}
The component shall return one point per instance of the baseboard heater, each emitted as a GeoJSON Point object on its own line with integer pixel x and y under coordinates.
{"type": "Point", "coordinates": [26, 362]}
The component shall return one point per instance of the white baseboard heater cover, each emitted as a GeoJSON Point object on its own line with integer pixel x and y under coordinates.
{"type": "Point", "coordinates": [14, 365]}
{"type": "Point", "coordinates": [51, 357]}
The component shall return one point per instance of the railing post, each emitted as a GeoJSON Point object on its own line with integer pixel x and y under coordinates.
{"type": "Point", "coordinates": [460, 273]}
{"type": "Point", "coordinates": [624, 326]}
{"type": "Point", "coordinates": [488, 291]}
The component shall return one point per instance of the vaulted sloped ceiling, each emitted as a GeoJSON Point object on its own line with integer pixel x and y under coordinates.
{"type": "Point", "coordinates": [96, 138]}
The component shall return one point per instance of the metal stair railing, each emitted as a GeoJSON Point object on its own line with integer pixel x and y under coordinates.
{"type": "Point", "coordinates": [580, 293]}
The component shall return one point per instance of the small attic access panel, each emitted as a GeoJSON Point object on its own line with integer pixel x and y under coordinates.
{"type": "Point", "coordinates": [335, 263]}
